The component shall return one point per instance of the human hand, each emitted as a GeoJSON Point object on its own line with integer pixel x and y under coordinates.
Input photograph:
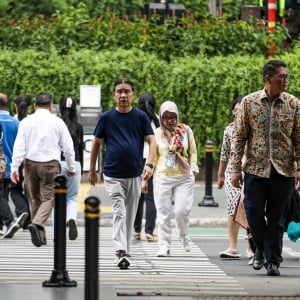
{"type": "Point", "coordinates": [14, 177]}
{"type": "Point", "coordinates": [70, 174]}
{"type": "Point", "coordinates": [147, 173]}
{"type": "Point", "coordinates": [92, 177]}
{"type": "Point", "coordinates": [221, 180]}
{"type": "Point", "coordinates": [144, 186]}
{"type": "Point", "coordinates": [237, 179]}
{"type": "Point", "coordinates": [297, 181]}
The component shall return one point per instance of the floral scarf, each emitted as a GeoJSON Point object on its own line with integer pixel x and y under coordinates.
{"type": "Point", "coordinates": [175, 140]}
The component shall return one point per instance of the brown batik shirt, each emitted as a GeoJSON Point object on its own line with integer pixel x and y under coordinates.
{"type": "Point", "coordinates": [272, 130]}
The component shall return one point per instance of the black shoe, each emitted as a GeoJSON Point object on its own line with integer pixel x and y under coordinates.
{"type": "Point", "coordinates": [12, 228]}
{"type": "Point", "coordinates": [73, 233]}
{"type": "Point", "coordinates": [272, 270]}
{"type": "Point", "coordinates": [123, 261]}
{"type": "Point", "coordinates": [43, 237]}
{"type": "Point", "coordinates": [258, 261]}
{"type": "Point", "coordinates": [35, 235]}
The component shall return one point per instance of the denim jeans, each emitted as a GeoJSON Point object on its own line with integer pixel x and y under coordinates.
{"type": "Point", "coordinates": [73, 185]}
{"type": "Point", "coordinates": [266, 204]}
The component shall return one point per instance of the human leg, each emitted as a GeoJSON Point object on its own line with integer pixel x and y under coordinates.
{"type": "Point", "coordinates": [11, 226]}
{"type": "Point", "coordinates": [139, 218]}
{"type": "Point", "coordinates": [276, 211]}
{"type": "Point", "coordinates": [39, 181]}
{"type": "Point", "coordinates": [116, 190]}
{"type": "Point", "coordinates": [183, 202]}
{"type": "Point", "coordinates": [5, 210]}
{"type": "Point", "coordinates": [73, 184]}
{"type": "Point", "coordinates": [20, 201]}
{"type": "Point", "coordinates": [47, 171]}
{"type": "Point", "coordinates": [131, 204]}
{"type": "Point", "coordinates": [150, 210]}
{"type": "Point", "coordinates": [256, 192]}
{"type": "Point", "coordinates": [233, 230]}
{"type": "Point", "coordinates": [163, 194]}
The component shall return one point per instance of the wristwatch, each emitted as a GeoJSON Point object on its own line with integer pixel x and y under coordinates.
{"type": "Point", "coordinates": [149, 165]}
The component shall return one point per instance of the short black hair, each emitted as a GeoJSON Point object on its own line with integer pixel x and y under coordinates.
{"type": "Point", "coordinates": [123, 80]}
{"type": "Point", "coordinates": [271, 66]}
{"type": "Point", "coordinates": [43, 99]}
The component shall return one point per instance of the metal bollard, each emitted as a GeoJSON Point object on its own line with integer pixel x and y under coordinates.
{"type": "Point", "coordinates": [208, 199]}
{"type": "Point", "coordinates": [92, 213]}
{"type": "Point", "coordinates": [60, 276]}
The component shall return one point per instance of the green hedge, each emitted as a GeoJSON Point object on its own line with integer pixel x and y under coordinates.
{"type": "Point", "coordinates": [203, 88]}
{"type": "Point", "coordinates": [177, 37]}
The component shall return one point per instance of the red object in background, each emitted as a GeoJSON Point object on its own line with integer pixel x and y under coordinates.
{"type": "Point", "coordinates": [271, 15]}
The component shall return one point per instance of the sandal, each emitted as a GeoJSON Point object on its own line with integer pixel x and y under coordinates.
{"type": "Point", "coordinates": [149, 237]}
{"type": "Point", "coordinates": [137, 235]}
{"type": "Point", "coordinates": [231, 254]}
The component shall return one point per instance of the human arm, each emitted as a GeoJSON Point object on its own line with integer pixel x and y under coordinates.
{"type": "Point", "coordinates": [19, 152]}
{"type": "Point", "coordinates": [93, 158]}
{"type": "Point", "coordinates": [67, 147]}
{"type": "Point", "coordinates": [192, 151]}
{"type": "Point", "coordinates": [221, 173]}
{"type": "Point", "coordinates": [148, 171]}
{"type": "Point", "coordinates": [2, 162]}
{"type": "Point", "coordinates": [81, 147]}
{"type": "Point", "coordinates": [241, 130]}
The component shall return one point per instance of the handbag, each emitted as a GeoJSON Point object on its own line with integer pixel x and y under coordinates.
{"type": "Point", "coordinates": [292, 222]}
{"type": "Point", "coordinates": [239, 213]}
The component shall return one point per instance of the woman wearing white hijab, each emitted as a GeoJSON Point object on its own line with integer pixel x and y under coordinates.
{"type": "Point", "coordinates": [173, 177]}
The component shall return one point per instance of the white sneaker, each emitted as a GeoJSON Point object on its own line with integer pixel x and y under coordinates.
{"type": "Point", "coordinates": [163, 252]}
{"type": "Point", "coordinates": [186, 243]}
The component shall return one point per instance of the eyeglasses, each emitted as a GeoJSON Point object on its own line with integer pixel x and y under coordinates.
{"type": "Point", "coordinates": [172, 118]}
{"type": "Point", "coordinates": [282, 77]}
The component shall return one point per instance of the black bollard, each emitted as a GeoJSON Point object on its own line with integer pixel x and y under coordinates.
{"type": "Point", "coordinates": [208, 199]}
{"type": "Point", "coordinates": [60, 276]}
{"type": "Point", "coordinates": [92, 213]}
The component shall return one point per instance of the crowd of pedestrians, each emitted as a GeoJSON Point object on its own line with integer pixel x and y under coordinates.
{"type": "Point", "coordinates": [150, 166]}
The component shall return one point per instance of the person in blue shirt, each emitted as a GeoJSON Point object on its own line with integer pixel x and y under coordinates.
{"type": "Point", "coordinates": [9, 128]}
{"type": "Point", "coordinates": [123, 129]}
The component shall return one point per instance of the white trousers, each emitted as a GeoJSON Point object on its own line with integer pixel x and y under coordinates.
{"type": "Point", "coordinates": [124, 194]}
{"type": "Point", "coordinates": [180, 190]}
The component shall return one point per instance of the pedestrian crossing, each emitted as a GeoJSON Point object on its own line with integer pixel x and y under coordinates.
{"type": "Point", "coordinates": [180, 274]}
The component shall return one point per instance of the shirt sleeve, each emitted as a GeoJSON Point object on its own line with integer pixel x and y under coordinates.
{"type": "Point", "coordinates": [19, 149]}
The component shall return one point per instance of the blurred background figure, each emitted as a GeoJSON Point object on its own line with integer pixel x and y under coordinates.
{"type": "Point", "coordinates": [17, 191]}
{"type": "Point", "coordinates": [10, 127]}
{"type": "Point", "coordinates": [232, 194]}
{"type": "Point", "coordinates": [68, 112]}
{"type": "Point", "coordinates": [147, 104]}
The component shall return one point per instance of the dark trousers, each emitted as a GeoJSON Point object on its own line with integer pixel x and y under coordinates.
{"type": "Point", "coordinates": [150, 211]}
{"type": "Point", "coordinates": [266, 205]}
{"type": "Point", "coordinates": [18, 196]}
{"type": "Point", "coordinates": [5, 211]}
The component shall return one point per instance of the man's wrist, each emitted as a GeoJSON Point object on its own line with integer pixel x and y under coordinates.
{"type": "Point", "coordinates": [149, 165]}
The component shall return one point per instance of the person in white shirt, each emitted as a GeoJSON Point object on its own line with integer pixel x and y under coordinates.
{"type": "Point", "coordinates": [41, 138]}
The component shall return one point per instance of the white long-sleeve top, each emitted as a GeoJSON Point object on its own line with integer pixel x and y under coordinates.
{"type": "Point", "coordinates": [42, 137]}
